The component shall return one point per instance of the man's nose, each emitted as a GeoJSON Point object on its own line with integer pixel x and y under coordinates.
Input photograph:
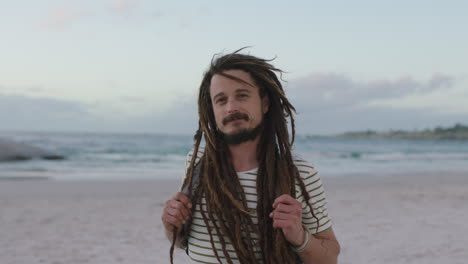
{"type": "Point", "coordinates": [232, 106]}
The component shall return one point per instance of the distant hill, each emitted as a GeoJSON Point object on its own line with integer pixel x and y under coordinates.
{"type": "Point", "coordinates": [457, 132]}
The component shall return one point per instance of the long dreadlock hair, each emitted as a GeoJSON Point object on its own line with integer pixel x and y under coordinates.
{"type": "Point", "coordinates": [218, 181]}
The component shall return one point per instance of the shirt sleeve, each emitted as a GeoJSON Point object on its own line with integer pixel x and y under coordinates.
{"type": "Point", "coordinates": [314, 188]}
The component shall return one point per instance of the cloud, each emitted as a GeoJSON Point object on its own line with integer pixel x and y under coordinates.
{"type": "Point", "coordinates": [25, 89]}
{"type": "Point", "coordinates": [122, 5]}
{"type": "Point", "coordinates": [181, 118]}
{"type": "Point", "coordinates": [20, 104]}
{"type": "Point", "coordinates": [60, 18]}
{"type": "Point", "coordinates": [35, 89]}
{"type": "Point", "coordinates": [63, 17]}
{"type": "Point", "coordinates": [123, 8]}
{"type": "Point", "coordinates": [335, 103]}
{"type": "Point", "coordinates": [331, 91]}
{"type": "Point", "coordinates": [374, 118]}
{"type": "Point", "coordinates": [18, 112]}
{"type": "Point", "coordinates": [133, 12]}
{"type": "Point", "coordinates": [27, 113]}
{"type": "Point", "coordinates": [439, 80]}
{"type": "Point", "coordinates": [134, 99]}
{"type": "Point", "coordinates": [327, 103]}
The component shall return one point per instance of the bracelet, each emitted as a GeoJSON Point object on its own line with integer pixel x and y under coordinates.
{"type": "Point", "coordinates": [305, 243]}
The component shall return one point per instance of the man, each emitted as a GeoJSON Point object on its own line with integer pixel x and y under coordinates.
{"type": "Point", "coordinates": [248, 198]}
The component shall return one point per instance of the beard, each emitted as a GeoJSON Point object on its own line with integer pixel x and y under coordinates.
{"type": "Point", "coordinates": [241, 136]}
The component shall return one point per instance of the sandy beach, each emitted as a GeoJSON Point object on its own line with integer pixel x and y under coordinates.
{"type": "Point", "coordinates": [383, 219]}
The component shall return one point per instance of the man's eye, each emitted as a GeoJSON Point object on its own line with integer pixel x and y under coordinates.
{"type": "Point", "coordinates": [221, 100]}
{"type": "Point", "coordinates": [243, 95]}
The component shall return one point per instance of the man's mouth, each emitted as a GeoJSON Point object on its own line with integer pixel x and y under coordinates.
{"type": "Point", "coordinates": [235, 117]}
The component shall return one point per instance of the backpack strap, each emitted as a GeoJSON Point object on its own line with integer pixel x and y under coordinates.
{"type": "Point", "coordinates": [193, 199]}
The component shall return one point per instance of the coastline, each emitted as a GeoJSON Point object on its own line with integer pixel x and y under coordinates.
{"type": "Point", "coordinates": [385, 219]}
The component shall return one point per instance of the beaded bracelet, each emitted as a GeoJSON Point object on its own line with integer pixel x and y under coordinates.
{"type": "Point", "coordinates": [305, 243]}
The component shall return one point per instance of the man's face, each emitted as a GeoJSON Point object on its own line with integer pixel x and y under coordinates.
{"type": "Point", "coordinates": [237, 106]}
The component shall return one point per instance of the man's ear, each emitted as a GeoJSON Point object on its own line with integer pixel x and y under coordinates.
{"type": "Point", "coordinates": [265, 104]}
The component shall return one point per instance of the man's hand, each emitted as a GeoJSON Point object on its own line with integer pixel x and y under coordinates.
{"type": "Point", "coordinates": [287, 215]}
{"type": "Point", "coordinates": [176, 212]}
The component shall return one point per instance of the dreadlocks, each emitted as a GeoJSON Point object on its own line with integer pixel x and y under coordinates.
{"type": "Point", "coordinates": [226, 214]}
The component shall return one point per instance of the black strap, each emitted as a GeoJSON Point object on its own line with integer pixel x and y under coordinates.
{"type": "Point", "coordinates": [193, 199]}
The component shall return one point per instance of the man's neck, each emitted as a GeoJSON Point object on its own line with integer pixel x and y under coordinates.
{"type": "Point", "coordinates": [244, 155]}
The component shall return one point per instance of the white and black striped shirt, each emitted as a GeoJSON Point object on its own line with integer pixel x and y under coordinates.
{"type": "Point", "coordinates": [200, 249]}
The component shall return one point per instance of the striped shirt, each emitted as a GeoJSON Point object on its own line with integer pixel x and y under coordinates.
{"type": "Point", "coordinates": [200, 249]}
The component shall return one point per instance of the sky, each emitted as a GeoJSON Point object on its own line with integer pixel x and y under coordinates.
{"type": "Point", "coordinates": [130, 66]}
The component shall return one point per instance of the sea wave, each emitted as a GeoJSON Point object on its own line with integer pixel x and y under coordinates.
{"type": "Point", "coordinates": [388, 156]}
{"type": "Point", "coordinates": [114, 156]}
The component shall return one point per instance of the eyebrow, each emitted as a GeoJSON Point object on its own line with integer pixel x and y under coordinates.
{"type": "Point", "coordinates": [237, 91]}
{"type": "Point", "coordinates": [243, 90]}
{"type": "Point", "coordinates": [218, 95]}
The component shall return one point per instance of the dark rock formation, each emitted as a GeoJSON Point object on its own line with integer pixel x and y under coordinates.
{"type": "Point", "coordinates": [14, 151]}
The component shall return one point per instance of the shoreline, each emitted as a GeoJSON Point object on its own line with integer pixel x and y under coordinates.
{"type": "Point", "coordinates": [176, 175]}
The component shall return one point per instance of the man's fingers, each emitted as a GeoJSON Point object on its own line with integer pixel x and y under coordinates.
{"type": "Point", "coordinates": [285, 199]}
{"type": "Point", "coordinates": [282, 216]}
{"type": "Point", "coordinates": [289, 209]}
{"type": "Point", "coordinates": [180, 196]}
{"type": "Point", "coordinates": [284, 224]}
{"type": "Point", "coordinates": [176, 213]}
{"type": "Point", "coordinates": [179, 207]}
{"type": "Point", "coordinates": [171, 221]}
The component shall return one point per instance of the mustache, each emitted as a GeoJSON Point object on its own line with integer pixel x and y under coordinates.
{"type": "Point", "coordinates": [235, 116]}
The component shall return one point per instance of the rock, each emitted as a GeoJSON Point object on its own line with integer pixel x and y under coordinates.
{"type": "Point", "coordinates": [53, 157]}
{"type": "Point", "coordinates": [14, 151]}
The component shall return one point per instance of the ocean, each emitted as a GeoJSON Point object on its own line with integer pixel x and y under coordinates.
{"type": "Point", "coordinates": [92, 156]}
